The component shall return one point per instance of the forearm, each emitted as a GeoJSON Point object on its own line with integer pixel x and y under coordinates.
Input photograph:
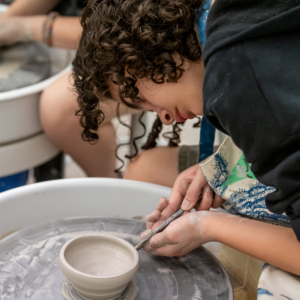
{"type": "Point", "coordinates": [273, 244]}
{"type": "Point", "coordinates": [66, 30]}
{"type": "Point", "coordinates": [30, 7]}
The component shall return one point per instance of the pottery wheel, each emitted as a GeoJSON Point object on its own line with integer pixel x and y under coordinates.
{"type": "Point", "coordinates": [23, 65]}
{"type": "Point", "coordinates": [29, 265]}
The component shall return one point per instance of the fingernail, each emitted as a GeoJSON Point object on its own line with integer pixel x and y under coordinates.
{"type": "Point", "coordinates": [185, 204]}
{"type": "Point", "coordinates": [207, 189]}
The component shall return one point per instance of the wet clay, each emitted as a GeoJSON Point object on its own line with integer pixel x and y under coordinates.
{"type": "Point", "coordinates": [99, 266]}
{"type": "Point", "coordinates": [99, 260]}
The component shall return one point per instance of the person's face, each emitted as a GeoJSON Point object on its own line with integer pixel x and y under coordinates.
{"type": "Point", "coordinates": [171, 101]}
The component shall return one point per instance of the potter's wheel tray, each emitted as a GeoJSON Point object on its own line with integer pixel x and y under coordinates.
{"type": "Point", "coordinates": [23, 65]}
{"type": "Point", "coordinates": [29, 265]}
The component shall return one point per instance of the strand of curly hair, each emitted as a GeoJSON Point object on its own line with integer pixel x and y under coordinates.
{"type": "Point", "coordinates": [132, 140]}
{"type": "Point", "coordinates": [173, 136]}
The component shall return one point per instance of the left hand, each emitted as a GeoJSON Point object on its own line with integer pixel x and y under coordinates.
{"type": "Point", "coordinates": [14, 30]}
{"type": "Point", "coordinates": [182, 235]}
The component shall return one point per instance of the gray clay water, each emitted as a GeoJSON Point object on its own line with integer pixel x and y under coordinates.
{"type": "Point", "coordinates": [23, 64]}
{"type": "Point", "coordinates": [29, 265]}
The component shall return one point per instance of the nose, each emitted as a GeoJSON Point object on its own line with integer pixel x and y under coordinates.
{"type": "Point", "coordinates": [165, 116]}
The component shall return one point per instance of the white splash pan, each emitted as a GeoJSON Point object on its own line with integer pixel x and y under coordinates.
{"type": "Point", "coordinates": [81, 197]}
{"type": "Point", "coordinates": [19, 109]}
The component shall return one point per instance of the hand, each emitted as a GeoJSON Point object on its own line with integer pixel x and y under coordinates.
{"type": "Point", "coordinates": [182, 235]}
{"type": "Point", "coordinates": [14, 30]}
{"type": "Point", "coordinates": [186, 190]}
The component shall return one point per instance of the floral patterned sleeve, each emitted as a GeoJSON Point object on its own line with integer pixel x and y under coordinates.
{"type": "Point", "coordinates": [230, 176]}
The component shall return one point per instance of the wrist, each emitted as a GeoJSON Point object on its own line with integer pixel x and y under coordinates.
{"type": "Point", "coordinates": [213, 224]}
{"type": "Point", "coordinates": [35, 25]}
{"type": "Point", "coordinates": [205, 224]}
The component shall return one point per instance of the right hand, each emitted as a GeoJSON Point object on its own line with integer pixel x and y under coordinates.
{"type": "Point", "coordinates": [185, 193]}
{"type": "Point", "coordinates": [183, 235]}
{"type": "Point", "coordinates": [14, 30]}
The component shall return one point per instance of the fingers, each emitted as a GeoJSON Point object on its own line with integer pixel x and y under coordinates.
{"type": "Point", "coordinates": [157, 241]}
{"type": "Point", "coordinates": [194, 190]}
{"type": "Point", "coordinates": [161, 245]}
{"type": "Point", "coordinates": [163, 203]}
{"type": "Point", "coordinates": [218, 201]}
{"type": "Point", "coordinates": [181, 186]}
{"type": "Point", "coordinates": [207, 198]}
{"type": "Point", "coordinates": [166, 250]}
{"type": "Point", "coordinates": [145, 233]}
{"type": "Point", "coordinates": [152, 218]}
{"type": "Point", "coordinates": [156, 215]}
{"type": "Point", "coordinates": [166, 209]}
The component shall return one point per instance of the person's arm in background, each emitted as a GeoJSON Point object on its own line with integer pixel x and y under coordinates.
{"type": "Point", "coordinates": [30, 7]}
{"type": "Point", "coordinates": [17, 26]}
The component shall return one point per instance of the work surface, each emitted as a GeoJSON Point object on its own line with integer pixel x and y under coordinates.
{"type": "Point", "coordinates": [29, 265]}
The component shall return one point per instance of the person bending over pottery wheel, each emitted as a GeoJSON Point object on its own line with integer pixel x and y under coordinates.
{"type": "Point", "coordinates": [249, 89]}
{"type": "Point", "coordinates": [26, 20]}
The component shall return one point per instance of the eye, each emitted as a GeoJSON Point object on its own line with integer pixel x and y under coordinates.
{"type": "Point", "coordinates": [138, 100]}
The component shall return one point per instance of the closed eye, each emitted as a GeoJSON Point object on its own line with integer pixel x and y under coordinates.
{"type": "Point", "coordinates": [130, 105]}
{"type": "Point", "coordinates": [139, 99]}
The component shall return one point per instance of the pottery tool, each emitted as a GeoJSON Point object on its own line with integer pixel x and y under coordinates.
{"type": "Point", "coordinates": [162, 226]}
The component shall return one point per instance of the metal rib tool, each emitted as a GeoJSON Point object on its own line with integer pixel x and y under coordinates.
{"type": "Point", "coordinates": [162, 226]}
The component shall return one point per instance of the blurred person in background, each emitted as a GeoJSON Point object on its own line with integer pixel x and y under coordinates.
{"type": "Point", "coordinates": [32, 20]}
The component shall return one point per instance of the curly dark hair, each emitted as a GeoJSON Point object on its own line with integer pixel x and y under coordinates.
{"type": "Point", "coordinates": [137, 35]}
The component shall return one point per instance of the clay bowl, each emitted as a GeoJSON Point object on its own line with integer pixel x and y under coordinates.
{"type": "Point", "coordinates": [99, 266]}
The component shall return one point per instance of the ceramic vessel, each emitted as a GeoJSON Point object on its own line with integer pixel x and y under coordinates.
{"type": "Point", "coordinates": [99, 266]}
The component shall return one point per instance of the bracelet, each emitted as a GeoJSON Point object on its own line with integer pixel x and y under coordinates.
{"type": "Point", "coordinates": [48, 28]}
